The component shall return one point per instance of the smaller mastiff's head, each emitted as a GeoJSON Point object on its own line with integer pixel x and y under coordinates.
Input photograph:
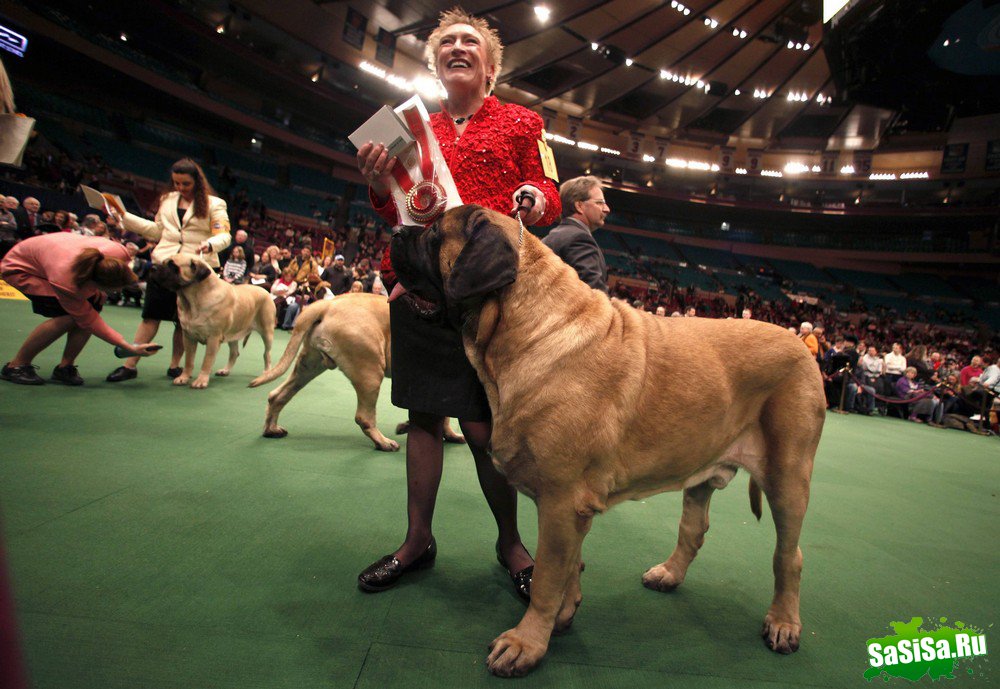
{"type": "Point", "coordinates": [451, 267]}
{"type": "Point", "coordinates": [182, 271]}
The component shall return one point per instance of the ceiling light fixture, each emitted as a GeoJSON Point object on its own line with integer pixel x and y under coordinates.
{"type": "Point", "coordinates": [542, 12]}
{"type": "Point", "coordinates": [629, 62]}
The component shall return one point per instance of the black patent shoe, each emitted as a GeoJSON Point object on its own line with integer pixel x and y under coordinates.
{"type": "Point", "coordinates": [122, 373]}
{"type": "Point", "coordinates": [383, 574]}
{"type": "Point", "coordinates": [521, 580]}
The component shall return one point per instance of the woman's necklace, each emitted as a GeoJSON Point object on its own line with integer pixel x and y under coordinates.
{"type": "Point", "coordinates": [462, 120]}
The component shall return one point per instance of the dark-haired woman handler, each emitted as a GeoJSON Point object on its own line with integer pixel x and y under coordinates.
{"type": "Point", "coordinates": [190, 220]}
{"type": "Point", "coordinates": [63, 275]}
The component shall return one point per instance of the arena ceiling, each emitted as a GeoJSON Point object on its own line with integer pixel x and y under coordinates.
{"type": "Point", "coordinates": [634, 65]}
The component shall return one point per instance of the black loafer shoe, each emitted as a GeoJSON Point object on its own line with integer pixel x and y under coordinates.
{"type": "Point", "coordinates": [67, 375]}
{"type": "Point", "coordinates": [386, 573]}
{"type": "Point", "coordinates": [521, 580]}
{"type": "Point", "coordinates": [122, 373]}
{"type": "Point", "coordinates": [174, 372]}
{"type": "Point", "coordinates": [22, 375]}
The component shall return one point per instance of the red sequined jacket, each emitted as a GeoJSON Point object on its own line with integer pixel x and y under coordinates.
{"type": "Point", "coordinates": [496, 154]}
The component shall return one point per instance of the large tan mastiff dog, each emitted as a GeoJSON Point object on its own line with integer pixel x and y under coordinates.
{"type": "Point", "coordinates": [211, 311]}
{"type": "Point", "coordinates": [595, 402]}
{"type": "Point", "coordinates": [351, 332]}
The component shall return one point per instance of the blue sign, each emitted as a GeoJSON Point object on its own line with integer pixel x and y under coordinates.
{"type": "Point", "coordinates": [12, 41]}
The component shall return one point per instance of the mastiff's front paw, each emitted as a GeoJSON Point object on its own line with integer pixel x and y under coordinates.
{"type": "Point", "coordinates": [514, 654]}
{"type": "Point", "coordinates": [200, 383]}
{"type": "Point", "coordinates": [662, 578]}
{"type": "Point", "coordinates": [182, 380]}
{"type": "Point", "coordinates": [781, 637]}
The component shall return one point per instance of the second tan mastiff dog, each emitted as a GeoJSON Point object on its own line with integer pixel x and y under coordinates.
{"type": "Point", "coordinates": [211, 311]}
{"type": "Point", "coordinates": [350, 332]}
{"type": "Point", "coordinates": [595, 403]}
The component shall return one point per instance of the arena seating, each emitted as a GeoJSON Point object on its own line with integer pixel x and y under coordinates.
{"type": "Point", "coordinates": [147, 148]}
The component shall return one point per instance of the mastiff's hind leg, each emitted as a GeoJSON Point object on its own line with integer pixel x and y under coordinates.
{"type": "Point", "coordinates": [668, 575]}
{"type": "Point", "coordinates": [309, 365]}
{"type": "Point", "coordinates": [234, 354]}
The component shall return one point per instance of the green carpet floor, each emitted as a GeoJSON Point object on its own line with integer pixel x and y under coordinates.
{"type": "Point", "coordinates": [157, 540]}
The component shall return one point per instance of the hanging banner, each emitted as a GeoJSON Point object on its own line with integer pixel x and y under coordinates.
{"type": "Point", "coordinates": [575, 127]}
{"type": "Point", "coordinates": [385, 47]}
{"type": "Point", "coordinates": [828, 163]}
{"type": "Point", "coordinates": [862, 162]}
{"type": "Point", "coordinates": [954, 158]}
{"type": "Point", "coordinates": [726, 158]}
{"type": "Point", "coordinates": [634, 150]}
{"type": "Point", "coordinates": [993, 155]}
{"type": "Point", "coordinates": [661, 146]}
{"type": "Point", "coordinates": [354, 28]}
{"type": "Point", "coordinates": [755, 157]}
{"type": "Point", "coordinates": [548, 118]}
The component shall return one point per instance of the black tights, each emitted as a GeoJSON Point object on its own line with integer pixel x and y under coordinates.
{"type": "Point", "coordinates": [424, 460]}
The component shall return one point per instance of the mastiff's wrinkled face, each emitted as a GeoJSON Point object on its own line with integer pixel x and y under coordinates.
{"type": "Point", "coordinates": [181, 271]}
{"type": "Point", "coordinates": [449, 268]}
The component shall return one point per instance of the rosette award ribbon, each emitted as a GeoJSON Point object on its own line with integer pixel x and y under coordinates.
{"type": "Point", "coordinates": [422, 186]}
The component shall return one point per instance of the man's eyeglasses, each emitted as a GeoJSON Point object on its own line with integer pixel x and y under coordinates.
{"type": "Point", "coordinates": [599, 202]}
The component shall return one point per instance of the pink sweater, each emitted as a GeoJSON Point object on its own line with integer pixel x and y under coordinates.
{"type": "Point", "coordinates": [43, 266]}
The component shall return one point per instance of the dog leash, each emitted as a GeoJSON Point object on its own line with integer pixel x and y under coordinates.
{"type": "Point", "coordinates": [525, 202]}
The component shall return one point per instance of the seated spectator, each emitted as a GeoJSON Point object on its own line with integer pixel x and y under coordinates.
{"type": "Point", "coordinates": [235, 270]}
{"type": "Point", "coordinates": [973, 370]}
{"type": "Point", "coordinates": [357, 286]}
{"type": "Point", "coordinates": [305, 267]}
{"type": "Point", "coordinates": [240, 239]}
{"type": "Point", "coordinates": [320, 293]}
{"type": "Point", "coordinates": [140, 266]}
{"type": "Point", "coordinates": [808, 339]}
{"type": "Point", "coordinates": [90, 221]}
{"type": "Point", "coordinates": [338, 275]}
{"type": "Point", "coordinates": [981, 391]}
{"type": "Point", "coordinates": [285, 258]}
{"type": "Point", "coordinates": [917, 358]}
{"type": "Point", "coordinates": [365, 275]}
{"type": "Point", "coordinates": [266, 270]}
{"type": "Point", "coordinates": [283, 291]}
{"type": "Point", "coordinates": [61, 220]}
{"type": "Point", "coordinates": [821, 342]}
{"type": "Point", "coordinates": [28, 217]}
{"type": "Point", "coordinates": [949, 394]}
{"type": "Point", "coordinates": [895, 363]}
{"type": "Point", "coordinates": [8, 231]}
{"type": "Point", "coordinates": [907, 387]}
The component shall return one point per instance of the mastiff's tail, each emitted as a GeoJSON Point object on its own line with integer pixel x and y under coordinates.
{"type": "Point", "coordinates": [755, 499]}
{"type": "Point", "coordinates": [310, 315]}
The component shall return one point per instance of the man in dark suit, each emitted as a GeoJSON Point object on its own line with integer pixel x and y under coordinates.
{"type": "Point", "coordinates": [584, 210]}
{"type": "Point", "coordinates": [28, 217]}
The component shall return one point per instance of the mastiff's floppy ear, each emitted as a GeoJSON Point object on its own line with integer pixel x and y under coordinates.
{"type": "Point", "coordinates": [201, 272]}
{"type": "Point", "coordinates": [487, 263]}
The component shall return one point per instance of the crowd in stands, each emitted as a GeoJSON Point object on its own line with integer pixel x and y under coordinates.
{"type": "Point", "coordinates": [944, 372]}
{"type": "Point", "coordinates": [300, 262]}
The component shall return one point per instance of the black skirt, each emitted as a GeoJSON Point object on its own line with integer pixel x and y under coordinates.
{"type": "Point", "coordinates": [159, 304]}
{"type": "Point", "coordinates": [430, 372]}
